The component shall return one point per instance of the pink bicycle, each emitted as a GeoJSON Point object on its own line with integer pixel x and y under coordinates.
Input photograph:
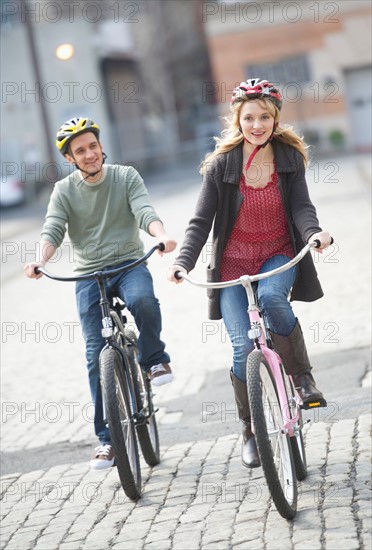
{"type": "Point", "coordinates": [274, 402]}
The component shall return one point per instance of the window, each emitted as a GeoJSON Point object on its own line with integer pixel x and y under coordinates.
{"type": "Point", "coordinates": [292, 69]}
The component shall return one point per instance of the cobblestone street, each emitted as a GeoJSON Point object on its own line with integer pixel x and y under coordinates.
{"type": "Point", "coordinates": [200, 496]}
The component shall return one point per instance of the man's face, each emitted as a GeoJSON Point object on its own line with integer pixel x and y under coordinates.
{"type": "Point", "coordinates": [86, 152]}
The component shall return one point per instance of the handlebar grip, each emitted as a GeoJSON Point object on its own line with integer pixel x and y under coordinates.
{"type": "Point", "coordinates": [318, 243]}
{"type": "Point", "coordinates": [37, 270]}
{"type": "Point", "coordinates": [161, 247]}
{"type": "Point", "coordinates": [177, 275]}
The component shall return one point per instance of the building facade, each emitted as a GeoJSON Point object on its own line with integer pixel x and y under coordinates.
{"type": "Point", "coordinates": [134, 67]}
{"type": "Point", "coordinates": [158, 74]}
{"type": "Point", "coordinates": [319, 54]}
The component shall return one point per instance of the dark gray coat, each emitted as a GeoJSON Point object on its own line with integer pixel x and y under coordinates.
{"type": "Point", "coordinates": [218, 205]}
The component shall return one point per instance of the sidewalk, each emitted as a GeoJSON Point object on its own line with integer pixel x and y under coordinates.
{"type": "Point", "coordinates": [200, 496]}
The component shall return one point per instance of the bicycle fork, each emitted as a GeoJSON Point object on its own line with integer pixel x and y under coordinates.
{"type": "Point", "coordinates": [289, 411]}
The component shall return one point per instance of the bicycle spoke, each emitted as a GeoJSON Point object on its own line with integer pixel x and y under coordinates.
{"type": "Point", "coordinates": [272, 441]}
{"type": "Point", "coordinates": [116, 390]}
{"type": "Point", "coordinates": [146, 428]}
{"type": "Point", "coordinates": [127, 429]}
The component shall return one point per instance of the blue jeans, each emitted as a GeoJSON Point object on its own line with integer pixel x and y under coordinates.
{"type": "Point", "coordinates": [272, 295]}
{"type": "Point", "coordinates": [135, 288]}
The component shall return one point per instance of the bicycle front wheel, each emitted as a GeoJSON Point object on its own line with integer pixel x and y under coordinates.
{"type": "Point", "coordinates": [147, 429]}
{"type": "Point", "coordinates": [273, 443]}
{"type": "Point", "coordinates": [119, 400]}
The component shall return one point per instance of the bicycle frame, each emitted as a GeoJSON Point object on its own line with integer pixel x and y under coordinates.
{"type": "Point", "coordinates": [127, 403]}
{"type": "Point", "coordinates": [258, 334]}
{"type": "Point", "coordinates": [138, 418]}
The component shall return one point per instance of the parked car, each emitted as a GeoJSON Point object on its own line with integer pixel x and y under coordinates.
{"type": "Point", "coordinates": [12, 191]}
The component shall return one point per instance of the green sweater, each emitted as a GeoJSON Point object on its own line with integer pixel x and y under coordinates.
{"type": "Point", "coordinates": [102, 219]}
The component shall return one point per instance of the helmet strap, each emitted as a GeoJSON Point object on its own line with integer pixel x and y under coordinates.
{"type": "Point", "coordinates": [252, 155]}
{"type": "Point", "coordinates": [104, 157]}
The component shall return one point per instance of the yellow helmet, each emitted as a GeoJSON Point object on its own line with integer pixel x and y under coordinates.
{"type": "Point", "coordinates": [73, 128]}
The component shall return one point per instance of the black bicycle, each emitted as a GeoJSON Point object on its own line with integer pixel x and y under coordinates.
{"type": "Point", "coordinates": [126, 390]}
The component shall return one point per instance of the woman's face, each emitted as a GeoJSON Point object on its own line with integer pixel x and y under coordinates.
{"type": "Point", "coordinates": [256, 122]}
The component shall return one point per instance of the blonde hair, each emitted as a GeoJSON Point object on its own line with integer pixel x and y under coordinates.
{"type": "Point", "coordinates": [231, 135]}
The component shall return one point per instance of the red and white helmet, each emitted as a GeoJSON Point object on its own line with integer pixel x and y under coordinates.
{"type": "Point", "coordinates": [255, 88]}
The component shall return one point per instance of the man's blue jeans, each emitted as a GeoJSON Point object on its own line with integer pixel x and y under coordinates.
{"type": "Point", "coordinates": [273, 298]}
{"type": "Point", "coordinates": [135, 288]}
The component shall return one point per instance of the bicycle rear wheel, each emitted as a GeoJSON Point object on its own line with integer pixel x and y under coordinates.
{"type": "Point", "coordinates": [119, 400]}
{"type": "Point", "coordinates": [147, 429]}
{"type": "Point", "coordinates": [272, 442]}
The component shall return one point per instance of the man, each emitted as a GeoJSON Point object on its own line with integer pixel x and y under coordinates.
{"type": "Point", "coordinates": [104, 207]}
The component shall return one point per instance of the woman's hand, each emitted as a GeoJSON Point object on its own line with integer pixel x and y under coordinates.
{"type": "Point", "coordinates": [172, 270]}
{"type": "Point", "coordinates": [325, 240]}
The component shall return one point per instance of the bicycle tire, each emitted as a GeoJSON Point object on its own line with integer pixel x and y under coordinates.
{"type": "Point", "coordinates": [297, 441]}
{"type": "Point", "coordinates": [118, 396]}
{"type": "Point", "coordinates": [147, 430]}
{"type": "Point", "coordinates": [299, 457]}
{"type": "Point", "coordinates": [275, 452]}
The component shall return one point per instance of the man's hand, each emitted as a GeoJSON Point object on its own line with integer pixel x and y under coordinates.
{"type": "Point", "coordinates": [169, 243]}
{"type": "Point", "coordinates": [30, 270]}
{"type": "Point", "coordinates": [47, 251]}
{"type": "Point", "coordinates": [156, 229]}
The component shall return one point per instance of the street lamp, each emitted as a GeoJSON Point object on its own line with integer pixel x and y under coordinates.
{"type": "Point", "coordinates": [65, 51]}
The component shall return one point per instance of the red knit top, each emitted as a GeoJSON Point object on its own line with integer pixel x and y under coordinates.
{"type": "Point", "coordinates": [260, 231]}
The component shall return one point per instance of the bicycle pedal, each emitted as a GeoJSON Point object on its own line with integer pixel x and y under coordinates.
{"type": "Point", "coordinates": [314, 404]}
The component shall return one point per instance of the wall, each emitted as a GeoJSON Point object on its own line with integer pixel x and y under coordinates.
{"type": "Point", "coordinates": [306, 47]}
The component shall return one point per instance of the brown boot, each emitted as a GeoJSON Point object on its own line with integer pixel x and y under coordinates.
{"type": "Point", "coordinates": [250, 458]}
{"type": "Point", "coordinates": [292, 350]}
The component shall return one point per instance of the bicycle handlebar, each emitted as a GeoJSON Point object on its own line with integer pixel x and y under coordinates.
{"type": "Point", "coordinates": [101, 273]}
{"type": "Point", "coordinates": [247, 279]}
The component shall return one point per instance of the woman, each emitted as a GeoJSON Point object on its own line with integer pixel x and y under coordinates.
{"type": "Point", "coordinates": [262, 216]}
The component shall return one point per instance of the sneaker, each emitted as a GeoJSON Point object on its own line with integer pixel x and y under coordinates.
{"type": "Point", "coordinates": [103, 458]}
{"type": "Point", "coordinates": [160, 374]}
